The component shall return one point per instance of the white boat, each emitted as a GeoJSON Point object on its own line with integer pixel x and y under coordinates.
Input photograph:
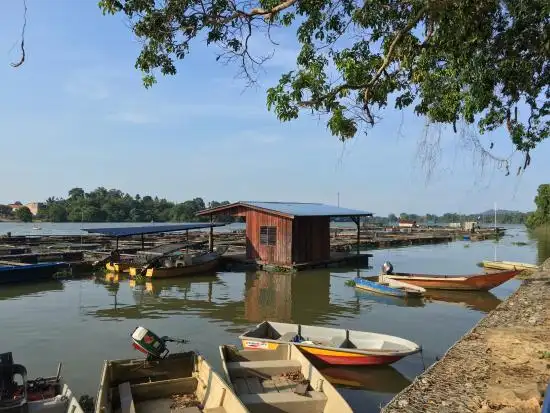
{"type": "Point", "coordinates": [331, 345]}
{"type": "Point", "coordinates": [181, 382]}
{"type": "Point", "coordinates": [21, 394]}
{"type": "Point", "coordinates": [281, 380]}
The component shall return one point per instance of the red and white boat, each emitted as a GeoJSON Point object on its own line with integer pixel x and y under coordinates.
{"type": "Point", "coordinates": [474, 282]}
{"type": "Point", "coordinates": [331, 345]}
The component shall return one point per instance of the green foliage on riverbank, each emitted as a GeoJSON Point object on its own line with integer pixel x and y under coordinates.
{"type": "Point", "coordinates": [541, 216]}
{"type": "Point", "coordinates": [113, 205]}
{"type": "Point", "coordinates": [24, 214]}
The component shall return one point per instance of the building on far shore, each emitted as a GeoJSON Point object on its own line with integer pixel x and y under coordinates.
{"type": "Point", "coordinates": [34, 207]}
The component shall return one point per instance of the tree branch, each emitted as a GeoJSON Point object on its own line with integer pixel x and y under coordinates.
{"type": "Point", "coordinates": [386, 62]}
{"type": "Point", "coordinates": [22, 45]}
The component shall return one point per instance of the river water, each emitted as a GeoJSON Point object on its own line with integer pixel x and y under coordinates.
{"type": "Point", "coordinates": [83, 322]}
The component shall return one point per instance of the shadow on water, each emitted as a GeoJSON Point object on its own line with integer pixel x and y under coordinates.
{"type": "Point", "coordinates": [17, 291]}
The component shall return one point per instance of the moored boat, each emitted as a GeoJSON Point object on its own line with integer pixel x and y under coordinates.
{"type": "Point", "coordinates": [18, 393]}
{"type": "Point", "coordinates": [510, 265]}
{"type": "Point", "coordinates": [181, 267]}
{"type": "Point", "coordinates": [118, 267]}
{"type": "Point", "coordinates": [281, 380]}
{"type": "Point", "coordinates": [395, 289]}
{"type": "Point", "coordinates": [476, 282]}
{"type": "Point", "coordinates": [17, 273]}
{"type": "Point", "coordinates": [182, 382]}
{"type": "Point", "coordinates": [331, 345]}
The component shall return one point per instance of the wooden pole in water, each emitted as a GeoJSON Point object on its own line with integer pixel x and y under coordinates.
{"type": "Point", "coordinates": [211, 237]}
{"type": "Point", "coordinates": [142, 242]}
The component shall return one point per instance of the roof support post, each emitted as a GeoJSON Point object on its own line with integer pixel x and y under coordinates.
{"type": "Point", "coordinates": [211, 237]}
{"type": "Point", "coordinates": [357, 221]}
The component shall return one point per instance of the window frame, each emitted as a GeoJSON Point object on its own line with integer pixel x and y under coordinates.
{"type": "Point", "coordinates": [268, 235]}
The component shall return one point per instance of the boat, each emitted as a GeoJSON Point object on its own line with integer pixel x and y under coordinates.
{"type": "Point", "coordinates": [118, 267]}
{"type": "Point", "coordinates": [37, 227]}
{"type": "Point", "coordinates": [393, 288]}
{"type": "Point", "coordinates": [163, 382]}
{"type": "Point", "coordinates": [331, 345]}
{"type": "Point", "coordinates": [19, 272]}
{"type": "Point", "coordinates": [281, 380]}
{"type": "Point", "coordinates": [181, 264]}
{"type": "Point", "coordinates": [20, 394]}
{"type": "Point", "coordinates": [510, 265]}
{"type": "Point", "coordinates": [473, 282]}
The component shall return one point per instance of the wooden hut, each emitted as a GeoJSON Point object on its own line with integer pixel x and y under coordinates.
{"type": "Point", "coordinates": [286, 233]}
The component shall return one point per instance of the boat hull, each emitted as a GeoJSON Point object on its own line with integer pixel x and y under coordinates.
{"type": "Point", "coordinates": [479, 282]}
{"type": "Point", "coordinates": [118, 267]}
{"type": "Point", "coordinates": [342, 358]}
{"type": "Point", "coordinates": [509, 265]}
{"type": "Point", "coordinates": [378, 288]}
{"type": "Point", "coordinates": [187, 270]}
{"type": "Point", "coordinates": [30, 272]}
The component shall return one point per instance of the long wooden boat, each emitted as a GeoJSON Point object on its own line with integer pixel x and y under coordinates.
{"type": "Point", "coordinates": [281, 380]}
{"type": "Point", "coordinates": [197, 265]}
{"type": "Point", "coordinates": [478, 282]}
{"type": "Point", "coordinates": [182, 382]}
{"type": "Point", "coordinates": [18, 273]}
{"type": "Point", "coordinates": [331, 345]}
{"type": "Point", "coordinates": [395, 289]}
{"type": "Point", "coordinates": [510, 265]}
{"type": "Point", "coordinates": [48, 394]}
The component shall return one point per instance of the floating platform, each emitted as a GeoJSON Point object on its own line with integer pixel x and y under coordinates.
{"type": "Point", "coordinates": [234, 261]}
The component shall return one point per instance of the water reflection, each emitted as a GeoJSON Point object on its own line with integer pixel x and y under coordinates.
{"type": "Point", "coordinates": [389, 300]}
{"type": "Point", "coordinates": [483, 301]}
{"type": "Point", "coordinates": [542, 236]}
{"type": "Point", "coordinates": [377, 379]}
{"type": "Point", "coordinates": [303, 298]}
{"type": "Point", "coordinates": [17, 291]}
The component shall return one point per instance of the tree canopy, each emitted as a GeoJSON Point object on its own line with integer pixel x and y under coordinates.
{"type": "Point", "coordinates": [478, 62]}
{"type": "Point", "coordinates": [113, 205]}
{"type": "Point", "coordinates": [23, 214]}
{"type": "Point", "coordinates": [541, 216]}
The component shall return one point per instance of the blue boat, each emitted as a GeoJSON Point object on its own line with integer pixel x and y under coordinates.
{"type": "Point", "coordinates": [400, 290]}
{"type": "Point", "coordinates": [19, 273]}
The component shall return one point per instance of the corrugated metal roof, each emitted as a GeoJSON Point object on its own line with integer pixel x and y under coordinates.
{"type": "Point", "coordinates": [298, 209]}
{"type": "Point", "coordinates": [149, 229]}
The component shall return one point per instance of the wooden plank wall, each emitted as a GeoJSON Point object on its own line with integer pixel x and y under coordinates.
{"type": "Point", "coordinates": [311, 241]}
{"type": "Point", "coordinates": [281, 253]}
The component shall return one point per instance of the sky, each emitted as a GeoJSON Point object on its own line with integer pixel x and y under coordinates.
{"type": "Point", "coordinates": [76, 114]}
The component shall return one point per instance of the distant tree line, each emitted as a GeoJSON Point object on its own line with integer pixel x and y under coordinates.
{"type": "Point", "coordinates": [541, 216]}
{"type": "Point", "coordinates": [503, 217]}
{"type": "Point", "coordinates": [113, 205]}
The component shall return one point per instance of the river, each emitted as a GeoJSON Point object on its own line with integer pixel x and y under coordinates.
{"type": "Point", "coordinates": [83, 322]}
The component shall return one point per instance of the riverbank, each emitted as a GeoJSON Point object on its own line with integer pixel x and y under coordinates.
{"type": "Point", "coordinates": [501, 365]}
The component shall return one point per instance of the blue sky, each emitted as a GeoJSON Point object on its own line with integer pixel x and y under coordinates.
{"type": "Point", "coordinates": [76, 114]}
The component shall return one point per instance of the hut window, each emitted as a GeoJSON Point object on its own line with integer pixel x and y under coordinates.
{"type": "Point", "coordinates": [268, 235]}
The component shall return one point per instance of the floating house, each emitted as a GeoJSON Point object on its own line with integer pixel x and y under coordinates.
{"type": "Point", "coordinates": [287, 234]}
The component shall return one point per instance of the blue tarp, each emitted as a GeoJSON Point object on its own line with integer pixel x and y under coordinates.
{"type": "Point", "coordinates": [149, 229]}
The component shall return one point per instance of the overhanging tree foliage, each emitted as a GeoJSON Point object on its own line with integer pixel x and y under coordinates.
{"type": "Point", "coordinates": [474, 61]}
{"type": "Point", "coordinates": [542, 214]}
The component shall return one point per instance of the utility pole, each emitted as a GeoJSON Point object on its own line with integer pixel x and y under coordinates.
{"type": "Point", "coordinates": [338, 199]}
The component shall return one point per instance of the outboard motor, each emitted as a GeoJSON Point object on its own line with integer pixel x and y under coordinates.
{"type": "Point", "coordinates": [152, 345]}
{"type": "Point", "coordinates": [387, 268]}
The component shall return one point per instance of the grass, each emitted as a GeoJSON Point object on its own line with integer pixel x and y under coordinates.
{"type": "Point", "coordinates": [466, 245]}
{"type": "Point", "coordinates": [544, 355]}
{"type": "Point", "coordinates": [520, 243]}
{"type": "Point", "coordinates": [350, 283]}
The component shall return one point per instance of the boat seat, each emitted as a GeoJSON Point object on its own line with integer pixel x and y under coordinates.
{"type": "Point", "coordinates": [288, 336]}
{"type": "Point", "coordinates": [268, 367]}
{"type": "Point", "coordinates": [287, 402]}
{"type": "Point", "coordinates": [126, 399]}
